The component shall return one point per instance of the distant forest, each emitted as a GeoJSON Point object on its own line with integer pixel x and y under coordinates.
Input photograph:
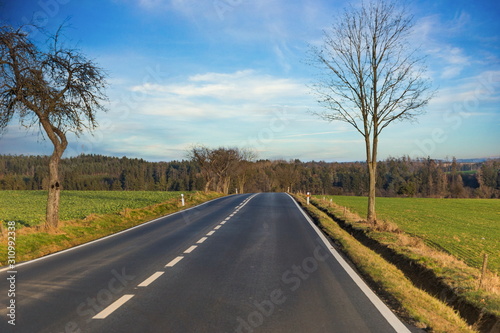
{"type": "Point", "coordinates": [396, 176]}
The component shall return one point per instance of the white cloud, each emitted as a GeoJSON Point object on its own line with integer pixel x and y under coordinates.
{"type": "Point", "coordinates": [459, 22]}
{"type": "Point", "coordinates": [237, 89]}
{"type": "Point", "coordinates": [455, 59]}
{"type": "Point", "coordinates": [311, 134]}
{"type": "Point", "coordinates": [152, 3]}
{"type": "Point", "coordinates": [456, 56]}
{"type": "Point", "coordinates": [424, 28]}
{"type": "Point", "coordinates": [475, 91]}
{"type": "Point", "coordinates": [451, 72]}
{"type": "Point", "coordinates": [432, 34]}
{"type": "Point", "coordinates": [432, 26]}
{"type": "Point", "coordinates": [221, 77]}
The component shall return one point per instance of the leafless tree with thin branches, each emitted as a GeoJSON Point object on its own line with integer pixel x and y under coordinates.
{"type": "Point", "coordinates": [222, 165]}
{"type": "Point", "coordinates": [370, 75]}
{"type": "Point", "coordinates": [57, 89]}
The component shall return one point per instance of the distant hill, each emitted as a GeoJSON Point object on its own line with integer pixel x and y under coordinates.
{"type": "Point", "coordinates": [476, 160]}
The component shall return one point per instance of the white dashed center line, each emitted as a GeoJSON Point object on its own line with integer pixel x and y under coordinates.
{"type": "Point", "coordinates": [150, 279]}
{"type": "Point", "coordinates": [122, 300]}
{"type": "Point", "coordinates": [175, 261]}
{"type": "Point", "coordinates": [202, 239]}
{"type": "Point", "coordinates": [115, 305]}
{"type": "Point", "coordinates": [191, 249]}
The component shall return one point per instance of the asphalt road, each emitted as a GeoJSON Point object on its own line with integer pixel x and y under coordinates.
{"type": "Point", "coordinates": [243, 263]}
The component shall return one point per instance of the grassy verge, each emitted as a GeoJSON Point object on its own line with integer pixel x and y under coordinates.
{"type": "Point", "coordinates": [453, 274]}
{"type": "Point", "coordinates": [464, 228]}
{"type": "Point", "coordinates": [33, 242]}
{"type": "Point", "coordinates": [422, 309]}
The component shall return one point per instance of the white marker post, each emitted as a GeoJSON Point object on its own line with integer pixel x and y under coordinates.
{"type": "Point", "coordinates": [182, 200]}
{"type": "Point", "coordinates": [308, 196]}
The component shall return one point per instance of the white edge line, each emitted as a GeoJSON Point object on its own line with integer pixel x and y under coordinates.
{"type": "Point", "coordinates": [150, 279]}
{"type": "Point", "coordinates": [111, 308]}
{"type": "Point", "coordinates": [191, 249]}
{"type": "Point", "coordinates": [109, 236]}
{"type": "Point", "coordinates": [381, 307]}
{"type": "Point", "coordinates": [175, 261]}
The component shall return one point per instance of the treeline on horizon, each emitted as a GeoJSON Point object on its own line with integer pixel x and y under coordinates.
{"type": "Point", "coordinates": [403, 176]}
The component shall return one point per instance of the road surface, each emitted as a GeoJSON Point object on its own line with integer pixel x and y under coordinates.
{"type": "Point", "coordinates": [243, 263]}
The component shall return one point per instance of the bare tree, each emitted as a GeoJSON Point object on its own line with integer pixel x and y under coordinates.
{"type": "Point", "coordinates": [245, 167]}
{"type": "Point", "coordinates": [219, 166]}
{"type": "Point", "coordinates": [202, 156]}
{"type": "Point", "coordinates": [58, 90]}
{"type": "Point", "coordinates": [371, 76]}
{"type": "Point", "coordinates": [225, 163]}
{"type": "Point", "coordinates": [287, 175]}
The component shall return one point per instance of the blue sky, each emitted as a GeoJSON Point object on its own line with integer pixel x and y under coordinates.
{"type": "Point", "coordinates": [234, 73]}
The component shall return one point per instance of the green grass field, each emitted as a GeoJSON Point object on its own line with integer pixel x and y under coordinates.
{"type": "Point", "coordinates": [107, 212]}
{"type": "Point", "coordinates": [465, 228]}
{"type": "Point", "coordinates": [28, 207]}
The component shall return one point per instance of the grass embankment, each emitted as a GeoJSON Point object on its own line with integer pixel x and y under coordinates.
{"type": "Point", "coordinates": [420, 308]}
{"type": "Point", "coordinates": [464, 228]}
{"type": "Point", "coordinates": [88, 216]}
{"type": "Point", "coordinates": [460, 278]}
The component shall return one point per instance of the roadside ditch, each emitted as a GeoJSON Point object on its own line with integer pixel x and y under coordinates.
{"type": "Point", "coordinates": [423, 278]}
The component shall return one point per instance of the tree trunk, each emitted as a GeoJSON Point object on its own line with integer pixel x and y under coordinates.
{"type": "Point", "coordinates": [241, 186]}
{"type": "Point", "coordinates": [58, 139]}
{"type": "Point", "coordinates": [242, 179]}
{"type": "Point", "coordinates": [372, 172]}
{"type": "Point", "coordinates": [207, 185]}
{"type": "Point", "coordinates": [371, 159]}
{"type": "Point", "coordinates": [225, 185]}
{"type": "Point", "coordinates": [52, 213]}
